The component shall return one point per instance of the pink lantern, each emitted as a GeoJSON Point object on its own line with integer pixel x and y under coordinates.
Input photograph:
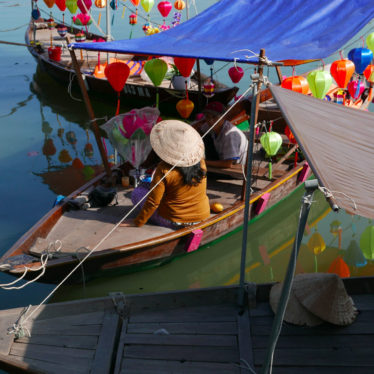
{"type": "Point", "coordinates": [355, 89]}
{"type": "Point", "coordinates": [164, 8]}
{"type": "Point", "coordinates": [236, 73]}
{"type": "Point", "coordinates": [83, 5]}
{"type": "Point", "coordinates": [82, 19]}
{"type": "Point", "coordinates": [132, 122]}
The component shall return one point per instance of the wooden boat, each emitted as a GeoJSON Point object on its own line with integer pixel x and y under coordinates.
{"type": "Point", "coordinates": [128, 249]}
{"type": "Point", "coordinates": [136, 93]}
{"type": "Point", "coordinates": [195, 331]}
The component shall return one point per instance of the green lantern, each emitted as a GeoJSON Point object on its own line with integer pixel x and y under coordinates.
{"type": "Point", "coordinates": [156, 70]}
{"type": "Point", "coordinates": [271, 141]}
{"type": "Point", "coordinates": [367, 243]}
{"type": "Point", "coordinates": [319, 83]}
{"type": "Point", "coordinates": [72, 5]}
{"type": "Point", "coordinates": [370, 41]}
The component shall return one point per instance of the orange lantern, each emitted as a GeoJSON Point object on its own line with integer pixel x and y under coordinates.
{"type": "Point", "coordinates": [184, 65]}
{"type": "Point", "coordinates": [290, 135]}
{"type": "Point", "coordinates": [339, 266]}
{"type": "Point", "coordinates": [77, 163]}
{"type": "Point", "coordinates": [179, 5]}
{"type": "Point", "coordinates": [296, 83]}
{"type": "Point", "coordinates": [185, 107]}
{"type": "Point", "coordinates": [369, 73]}
{"type": "Point", "coordinates": [64, 156]}
{"type": "Point", "coordinates": [342, 71]}
{"type": "Point", "coordinates": [135, 2]}
{"type": "Point", "coordinates": [100, 3]}
{"type": "Point", "coordinates": [49, 3]}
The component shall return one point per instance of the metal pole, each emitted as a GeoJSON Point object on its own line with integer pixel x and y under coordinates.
{"type": "Point", "coordinates": [90, 111]}
{"type": "Point", "coordinates": [199, 97]}
{"type": "Point", "coordinates": [108, 37]}
{"type": "Point", "coordinates": [247, 184]}
{"type": "Point", "coordinates": [310, 187]}
{"type": "Point", "coordinates": [187, 13]}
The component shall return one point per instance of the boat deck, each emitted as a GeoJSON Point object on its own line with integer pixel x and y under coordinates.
{"type": "Point", "coordinates": [201, 331]}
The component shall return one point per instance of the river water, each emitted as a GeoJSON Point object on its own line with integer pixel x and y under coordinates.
{"type": "Point", "coordinates": [36, 114]}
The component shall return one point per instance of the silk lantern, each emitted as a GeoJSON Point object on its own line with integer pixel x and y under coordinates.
{"type": "Point", "coordinates": [317, 245]}
{"type": "Point", "coordinates": [353, 255]}
{"type": "Point", "coordinates": [49, 148]}
{"type": "Point", "coordinates": [179, 5]}
{"type": "Point", "coordinates": [62, 30]}
{"type": "Point", "coordinates": [72, 6]}
{"type": "Point", "coordinates": [296, 83]}
{"type": "Point", "coordinates": [61, 4]}
{"type": "Point", "coordinates": [339, 267]}
{"type": "Point", "coordinates": [77, 164]}
{"type": "Point", "coordinates": [80, 37]}
{"type": "Point", "coordinates": [290, 135]}
{"type": "Point", "coordinates": [236, 73]}
{"type": "Point", "coordinates": [369, 73]}
{"type": "Point", "coordinates": [185, 107]}
{"type": "Point", "coordinates": [88, 150]}
{"type": "Point", "coordinates": [319, 83]}
{"type": "Point", "coordinates": [135, 2]}
{"type": "Point", "coordinates": [82, 19]}
{"type": "Point", "coordinates": [49, 3]}
{"type": "Point", "coordinates": [342, 71]}
{"type": "Point", "coordinates": [361, 57]}
{"type": "Point", "coordinates": [370, 41]}
{"type": "Point", "coordinates": [88, 172]}
{"type": "Point", "coordinates": [184, 65]}
{"type": "Point", "coordinates": [117, 74]}
{"type": "Point", "coordinates": [355, 88]}
{"type": "Point", "coordinates": [83, 5]}
{"type": "Point", "coordinates": [100, 3]}
{"type": "Point", "coordinates": [271, 141]}
{"type": "Point", "coordinates": [156, 70]}
{"type": "Point", "coordinates": [64, 156]}
{"type": "Point", "coordinates": [147, 5]}
{"type": "Point", "coordinates": [367, 242]}
{"type": "Point", "coordinates": [164, 7]}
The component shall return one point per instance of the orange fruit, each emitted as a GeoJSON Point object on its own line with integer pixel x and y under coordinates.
{"type": "Point", "coordinates": [216, 207]}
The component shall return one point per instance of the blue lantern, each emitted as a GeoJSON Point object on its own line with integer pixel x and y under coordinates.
{"type": "Point", "coordinates": [208, 61]}
{"type": "Point", "coordinates": [35, 14]}
{"type": "Point", "coordinates": [361, 57]}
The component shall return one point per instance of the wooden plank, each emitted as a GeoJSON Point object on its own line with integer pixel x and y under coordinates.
{"type": "Point", "coordinates": [120, 347]}
{"type": "Point", "coordinates": [317, 370]}
{"type": "Point", "coordinates": [134, 366]}
{"type": "Point", "coordinates": [213, 328]}
{"type": "Point", "coordinates": [195, 340]}
{"type": "Point", "coordinates": [53, 355]}
{"type": "Point", "coordinates": [107, 339]}
{"type": "Point", "coordinates": [182, 353]}
{"type": "Point", "coordinates": [319, 341]}
{"type": "Point", "coordinates": [72, 330]}
{"type": "Point", "coordinates": [333, 357]}
{"type": "Point", "coordinates": [84, 342]}
{"type": "Point", "coordinates": [6, 340]}
{"type": "Point", "coordinates": [200, 313]}
{"type": "Point", "coordinates": [245, 343]}
{"type": "Point", "coordinates": [49, 367]}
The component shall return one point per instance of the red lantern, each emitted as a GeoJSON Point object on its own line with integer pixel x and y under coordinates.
{"type": "Point", "coordinates": [236, 73]}
{"type": "Point", "coordinates": [135, 3]}
{"type": "Point", "coordinates": [117, 74]}
{"type": "Point", "coordinates": [133, 19]}
{"type": "Point", "coordinates": [83, 5]}
{"type": "Point", "coordinates": [61, 4]}
{"type": "Point", "coordinates": [184, 65]}
{"type": "Point", "coordinates": [296, 83]}
{"type": "Point", "coordinates": [340, 267]}
{"type": "Point", "coordinates": [342, 71]}
{"type": "Point", "coordinates": [49, 3]}
{"type": "Point", "coordinates": [369, 73]}
{"type": "Point", "coordinates": [77, 164]}
{"type": "Point", "coordinates": [179, 5]}
{"type": "Point", "coordinates": [185, 107]}
{"type": "Point", "coordinates": [164, 8]}
{"type": "Point", "coordinates": [49, 148]}
{"type": "Point", "coordinates": [290, 135]}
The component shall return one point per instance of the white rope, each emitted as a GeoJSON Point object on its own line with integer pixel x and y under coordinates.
{"type": "Point", "coordinates": [328, 193]}
{"type": "Point", "coordinates": [17, 328]}
{"type": "Point", "coordinates": [263, 60]}
{"type": "Point", "coordinates": [71, 78]}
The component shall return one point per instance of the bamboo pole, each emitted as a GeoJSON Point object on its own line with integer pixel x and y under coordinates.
{"type": "Point", "coordinates": [199, 97]}
{"type": "Point", "coordinates": [89, 109]}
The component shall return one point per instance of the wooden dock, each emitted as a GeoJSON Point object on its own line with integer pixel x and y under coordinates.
{"type": "Point", "coordinates": [200, 331]}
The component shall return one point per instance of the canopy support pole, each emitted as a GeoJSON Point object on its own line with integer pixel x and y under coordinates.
{"type": "Point", "coordinates": [247, 183]}
{"type": "Point", "coordinates": [279, 73]}
{"type": "Point", "coordinates": [90, 111]}
{"type": "Point", "coordinates": [199, 97]}
{"type": "Point", "coordinates": [310, 187]}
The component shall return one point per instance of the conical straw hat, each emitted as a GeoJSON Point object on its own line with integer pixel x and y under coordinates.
{"type": "Point", "coordinates": [295, 312]}
{"type": "Point", "coordinates": [177, 143]}
{"type": "Point", "coordinates": [324, 295]}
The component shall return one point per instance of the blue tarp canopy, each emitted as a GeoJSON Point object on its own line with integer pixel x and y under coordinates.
{"type": "Point", "coordinates": [296, 30]}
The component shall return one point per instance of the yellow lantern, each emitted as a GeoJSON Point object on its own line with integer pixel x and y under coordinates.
{"type": "Point", "coordinates": [316, 243]}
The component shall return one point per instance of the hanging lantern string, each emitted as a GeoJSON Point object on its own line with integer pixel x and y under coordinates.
{"type": "Point", "coordinates": [263, 60]}
{"type": "Point", "coordinates": [328, 193]}
{"type": "Point", "coordinates": [323, 64]}
{"type": "Point", "coordinates": [363, 41]}
{"type": "Point", "coordinates": [341, 55]}
{"type": "Point", "coordinates": [235, 65]}
{"type": "Point", "coordinates": [293, 70]}
{"type": "Point", "coordinates": [139, 15]}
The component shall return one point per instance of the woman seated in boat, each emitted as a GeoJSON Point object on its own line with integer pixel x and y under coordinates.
{"type": "Point", "coordinates": [225, 144]}
{"type": "Point", "coordinates": [177, 196]}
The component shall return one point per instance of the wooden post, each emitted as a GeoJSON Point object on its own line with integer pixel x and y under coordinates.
{"type": "Point", "coordinates": [199, 97]}
{"type": "Point", "coordinates": [279, 73]}
{"type": "Point", "coordinates": [90, 111]}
